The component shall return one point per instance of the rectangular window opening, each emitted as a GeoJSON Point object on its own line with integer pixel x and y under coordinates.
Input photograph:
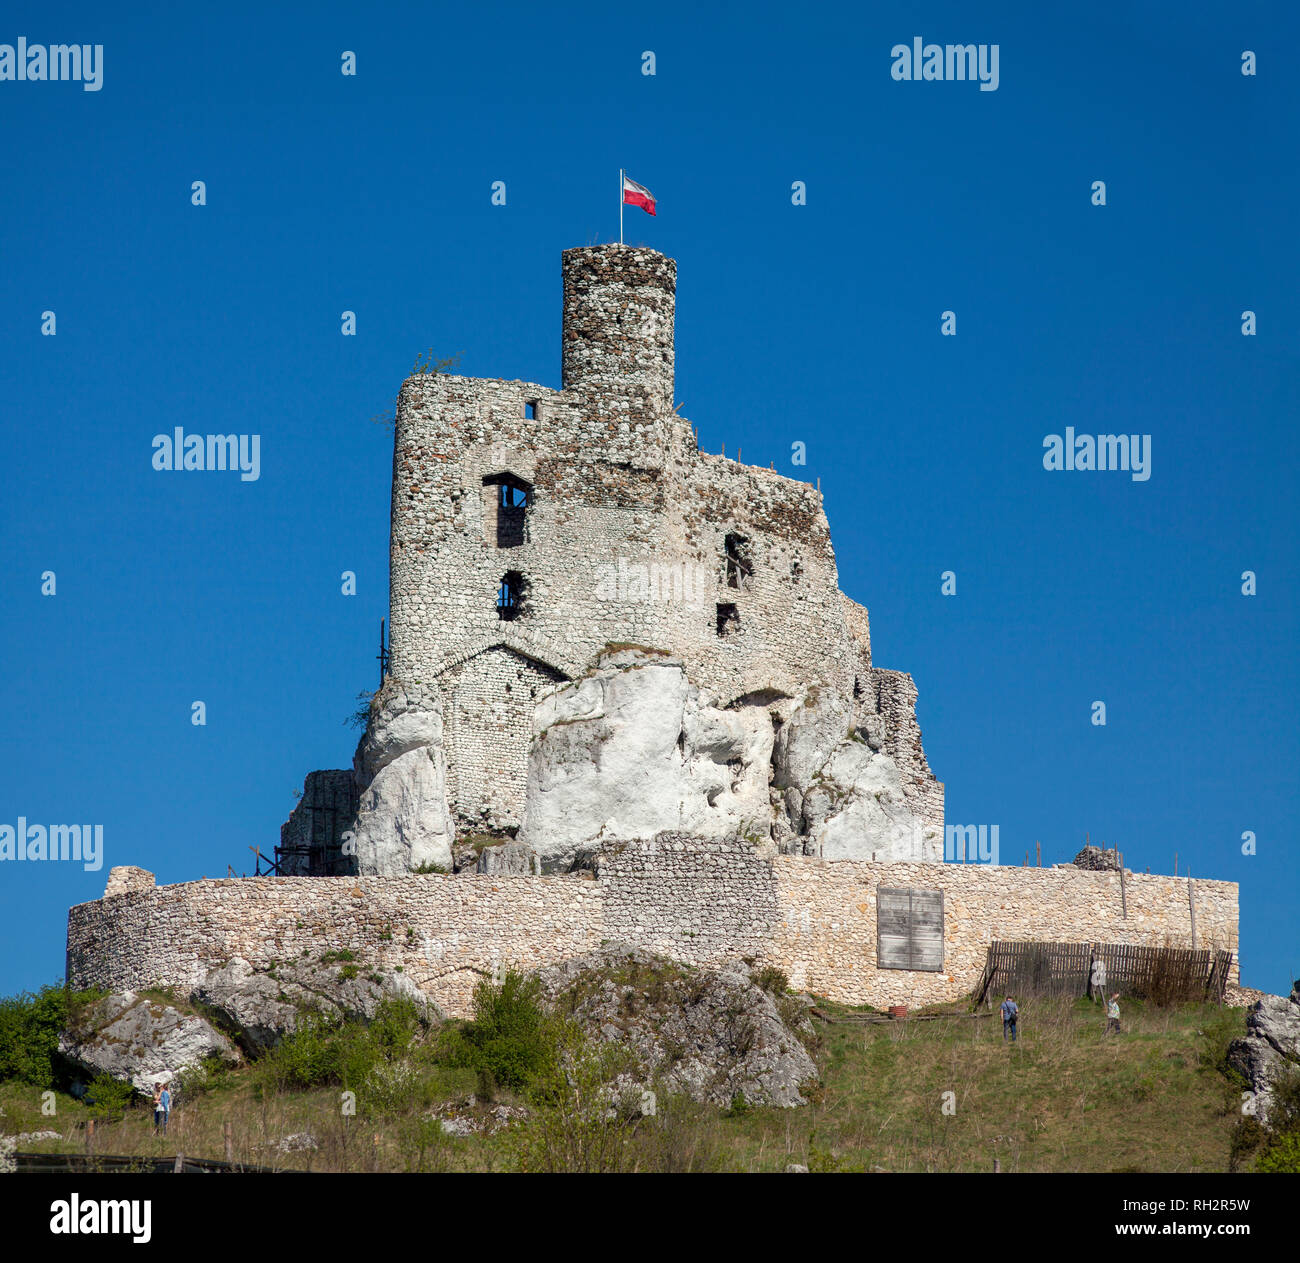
{"type": "Point", "coordinates": [739, 567]}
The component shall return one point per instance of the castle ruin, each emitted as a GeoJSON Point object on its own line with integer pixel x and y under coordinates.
{"type": "Point", "coordinates": [626, 701]}
{"type": "Point", "coordinates": [534, 530]}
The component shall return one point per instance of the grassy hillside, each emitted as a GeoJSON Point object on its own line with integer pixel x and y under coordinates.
{"type": "Point", "coordinates": [1064, 1098]}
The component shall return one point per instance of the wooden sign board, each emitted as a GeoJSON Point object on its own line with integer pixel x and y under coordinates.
{"type": "Point", "coordinates": [909, 928]}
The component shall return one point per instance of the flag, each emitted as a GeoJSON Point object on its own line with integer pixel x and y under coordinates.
{"type": "Point", "coordinates": [635, 194]}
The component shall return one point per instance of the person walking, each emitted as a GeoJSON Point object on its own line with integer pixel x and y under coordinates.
{"type": "Point", "coordinates": [1112, 1015]}
{"type": "Point", "coordinates": [162, 1107]}
{"type": "Point", "coordinates": [1010, 1015]}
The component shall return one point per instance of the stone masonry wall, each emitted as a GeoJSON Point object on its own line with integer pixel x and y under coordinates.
{"type": "Point", "coordinates": [815, 919]}
{"type": "Point", "coordinates": [444, 932]}
{"type": "Point", "coordinates": [618, 491]}
{"type": "Point", "coordinates": [826, 936]}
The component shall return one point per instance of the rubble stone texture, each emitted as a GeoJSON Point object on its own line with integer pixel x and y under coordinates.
{"type": "Point", "coordinates": [630, 535]}
{"type": "Point", "coordinates": [698, 901]}
{"type": "Point", "coordinates": [1097, 859]}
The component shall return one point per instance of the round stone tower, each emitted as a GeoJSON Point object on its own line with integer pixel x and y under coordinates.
{"type": "Point", "coordinates": [618, 326]}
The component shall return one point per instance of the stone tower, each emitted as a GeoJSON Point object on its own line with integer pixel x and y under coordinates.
{"type": "Point", "coordinates": [617, 331]}
{"type": "Point", "coordinates": [534, 528]}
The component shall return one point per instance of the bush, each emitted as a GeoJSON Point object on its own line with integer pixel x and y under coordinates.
{"type": "Point", "coordinates": [511, 1036]}
{"type": "Point", "coordinates": [1281, 1155]}
{"type": "Point", "coordinates": [577, 1122]}
{"type": "Point", "coordinates": [30, 1025]}
{"type": "Point", "coordinates": [107, 1098]}
{"type": "Point", "coordinates": [324, 1051]}
{"type": "Point", "coordinates": [771, 979]}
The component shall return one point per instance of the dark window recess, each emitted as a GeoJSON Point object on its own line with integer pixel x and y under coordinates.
{"type": "Point", "coordinates": [739, 568]}
{"type": "Point", "coordinates": [530, 409]}
{"type": "Point", "coordinates": [857, 687]}
{"type": "Point", "coordinates": [796, 569]}
{"type": "Point", "coordinates": [512, 499]}
{"type": "Point", "coordinates": [728, 620]}
{"type": "Point", "coordinates": [512, 596]}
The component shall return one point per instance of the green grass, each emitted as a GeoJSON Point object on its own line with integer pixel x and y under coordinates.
{"type": "Point", "coordinates": [1064, 1098]}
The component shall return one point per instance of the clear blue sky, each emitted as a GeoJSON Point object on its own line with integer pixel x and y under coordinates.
{"type": "Point", "coordinates": [817, 323]}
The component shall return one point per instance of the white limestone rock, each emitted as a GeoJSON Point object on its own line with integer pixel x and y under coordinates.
{"type": "Point", "coordinates": [261, 1006]}
{"type": "Point", "coordinates": [855, 810]}
{"type": "Point", "coordinates": [842, 792]}
{"type": "Point", "coordinates": [1270, 1049]}
{"type": "Point", "coordinates": [403, 820]}
{"type": "Point", "coordinates": [141, 1041]}
{"type": "Point", "coordinates": [632, 750]}
{"type": "Point", "coordinates": [806, 741]}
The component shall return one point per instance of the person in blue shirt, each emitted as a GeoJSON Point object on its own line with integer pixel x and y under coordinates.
{"type": "Point", "coordinates": [1010, 1014]}
{"type": "Point", "coordinates": [162, 1107]}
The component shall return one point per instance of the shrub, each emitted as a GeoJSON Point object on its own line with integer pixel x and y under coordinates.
{"type": "Point", "coordinates": [107, 1098]}
{"type": "Point", "coordinates": [1247, 1136]}
{"type": "Point", "coordinates": [771, 979]}
{"type": "Point", "coordinates": [30, 1025]}
{"type": "Point", "coordinates": [510, 1035]}
{"type": "Point", "coordinates": [1281, 1155]}
{"type": "Point", "coordinates": [323, 1050]}
{"type": "Point", "coordinates": [577, 1122]}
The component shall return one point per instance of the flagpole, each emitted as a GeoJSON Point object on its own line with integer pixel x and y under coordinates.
{"type": "Point", "coordinates": [620, 206]}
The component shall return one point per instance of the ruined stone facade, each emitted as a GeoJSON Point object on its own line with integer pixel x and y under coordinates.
{"type": "Point", "coordinates": [700, 903]}
{"type": "Point", "coordinates": [532, 527]}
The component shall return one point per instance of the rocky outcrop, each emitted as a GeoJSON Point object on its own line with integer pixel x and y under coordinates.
{"type": "Point", "coordinates": [141, 1041]}
{"type": "Point", "coordinates": [843, 795]}
{"type": "Point", "coordinates": [631, 750]}
{"type": "Point", "coordinates": [634, 749]}
{"type": "Point", "coordinates": [259, 1007]}
{"type": "Point", "coordinates": [403, 821]}
{"type": "Point", "coordinates": [713, 1034]}
{"type": "Point", "coordinates": [1097, 859]}
{"type": "Point", "coordinates": [1270, 1048]}
{"type": "Point", "coordinates": [509, 859]}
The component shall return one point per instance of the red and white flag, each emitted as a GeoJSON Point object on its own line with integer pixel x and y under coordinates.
{"type": "Point", "coordinates": [635, 194]}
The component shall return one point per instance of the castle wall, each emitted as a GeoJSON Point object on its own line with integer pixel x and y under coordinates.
{"type": "Point", "coordinates": [895, 696]}
{"type": "Point", "coordinates": [311, 840]}
{"type": "Point", "coordinates": [826, 934]}
{"type": "Point", "coordinates": [597, 533]}
{"type": "Point", "coordinates": [488, 704]}
{"type": "Point", "coordinates": [699, 903]}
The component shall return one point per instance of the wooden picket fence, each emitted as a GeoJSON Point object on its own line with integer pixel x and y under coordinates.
{"type": "Point", "coordinates": [1164, 975]}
